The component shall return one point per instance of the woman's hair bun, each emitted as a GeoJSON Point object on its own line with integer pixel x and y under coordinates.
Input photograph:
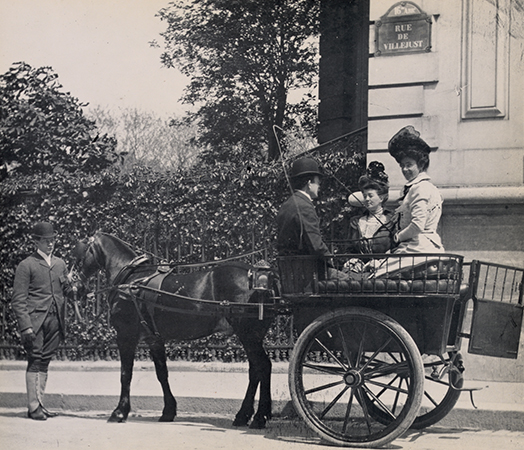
{"type": "Point", "coordinates": [377, 172]}
{"type": "Point", "coordinates": [375, 178]}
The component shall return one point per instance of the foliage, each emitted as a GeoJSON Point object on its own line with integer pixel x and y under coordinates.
{"type": "Point", "coordinates": [205, 214]}
{"type": "Point", "coordinates": [243, 59]}
{"type": "Point", "coordinates": [145, 138]}
{"type": "Point", "coordinates": [43, 129]}
{"type": "Point", "coordinates": [214, 210]}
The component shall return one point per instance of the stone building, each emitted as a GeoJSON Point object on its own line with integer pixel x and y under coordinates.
{"type": "Point", "coordinates": [455, 70]}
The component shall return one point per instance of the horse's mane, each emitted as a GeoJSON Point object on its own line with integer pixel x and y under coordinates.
{"type": "Point", "coordinates": [119, 243]}
{"type": "Point", "coordinates": [126, 248]}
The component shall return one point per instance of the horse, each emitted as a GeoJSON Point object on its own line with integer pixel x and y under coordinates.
{"type": "Point", "coordinates": [172, 311]}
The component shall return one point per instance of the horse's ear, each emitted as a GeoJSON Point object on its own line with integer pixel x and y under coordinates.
{"type": "Point", "coordinates": [93, 229]}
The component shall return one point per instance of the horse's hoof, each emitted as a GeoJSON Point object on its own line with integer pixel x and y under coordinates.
{"type": "Point", "coordinates": [240, 422]}
{"type": "Point", "coordinates": [166, 418]}
{"type": "Point", "coordinates": [116, 418]}
{"type": "Point", "coordinates": [258, 423]}
{"type": "Point", "coordinates": [242, 418]}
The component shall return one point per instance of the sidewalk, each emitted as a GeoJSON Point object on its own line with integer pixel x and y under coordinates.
{"type": "Point", "coordinates": [218, 388]}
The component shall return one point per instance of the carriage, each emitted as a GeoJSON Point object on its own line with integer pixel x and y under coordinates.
{"type": "Point", "coordinates": [381, 354]}
{"type": "Point", "coordinates": [377, 353]}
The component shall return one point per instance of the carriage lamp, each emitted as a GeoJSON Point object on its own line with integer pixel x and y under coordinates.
{"type": "Point", "coordinates": [260, 279]}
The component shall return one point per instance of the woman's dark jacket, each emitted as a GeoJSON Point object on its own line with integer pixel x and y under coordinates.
{"type": "Point", "coordinates": [382, 239]}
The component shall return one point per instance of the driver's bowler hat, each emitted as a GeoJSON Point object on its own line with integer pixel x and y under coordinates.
{"type": "Point", "coordinates": [305, 166]}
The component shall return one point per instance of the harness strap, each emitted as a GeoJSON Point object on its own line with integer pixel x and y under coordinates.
{"type": "Point", "coordinates": [121, 277]}
{"type": "Point", "coordinates": [128, 269]}
{"type": "Point", "coordinates": [141, 318]}
{"type": "Point", "coordinates": [211, 308]}
{"type": "Point", "coordinates": [151, 297]}
{"type": "Point", "coordinates": [145, 293]}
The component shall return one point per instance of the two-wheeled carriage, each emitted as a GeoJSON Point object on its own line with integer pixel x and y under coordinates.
{"type": "Point", "coordinates": [379, 353]}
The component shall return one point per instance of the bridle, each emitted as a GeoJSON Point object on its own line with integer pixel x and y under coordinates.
{"type": "Point", "coordinates": [78, 269]}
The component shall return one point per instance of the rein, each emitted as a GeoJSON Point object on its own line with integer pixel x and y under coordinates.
{"type": "Point", "coordinates": [187, 266]}
{"type": "Point", "coordinates": [207, 263]}
{"type": "Point", "coordinates": [170, 265]}
{"type": "Point", "coordinates": [211, 307]}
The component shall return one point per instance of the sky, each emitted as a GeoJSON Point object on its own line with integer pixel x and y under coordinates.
{"type": "Point", "coordinates": [99, 49]}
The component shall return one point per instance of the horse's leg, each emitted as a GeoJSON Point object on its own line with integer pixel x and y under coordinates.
{"type": "Point", "coordinates": [127, 342]}
{"type": "Point", "coordinates": [259, 373]}
{"type": "Point", "coordinates": [158, 353]}
{"type": "Point", "coordinates": [263, 364]}
{"type": "Point", "coordinates": [247, 409]}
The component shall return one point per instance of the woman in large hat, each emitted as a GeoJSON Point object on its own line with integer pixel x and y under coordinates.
{"type": "Point", "coordinates": [421, 203]}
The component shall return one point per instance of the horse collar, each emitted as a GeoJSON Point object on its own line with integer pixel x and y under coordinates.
{"type": "Point", "coordinates": [128, 269]}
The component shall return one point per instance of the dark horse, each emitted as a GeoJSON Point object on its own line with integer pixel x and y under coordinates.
{"type": "Point", "coordinates": [156, 317]}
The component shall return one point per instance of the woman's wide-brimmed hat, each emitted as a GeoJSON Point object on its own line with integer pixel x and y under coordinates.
{"type": "Point", "coordinates": [407, 140]}
{"type": "Point", "coordinates": [43, 230]}
{"type": "Point", "coordinates": [305, 166]}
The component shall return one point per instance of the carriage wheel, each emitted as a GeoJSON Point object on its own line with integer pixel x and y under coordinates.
{"type": "Point", "coordinates": [439, 395]}
{"type": "Point", "coordinates": [348, 360]}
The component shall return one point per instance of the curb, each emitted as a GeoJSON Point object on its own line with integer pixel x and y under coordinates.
{"type": "Point", "coordinates": [90, 386]}
{"type": "Point", "coordinates": [494, 420]}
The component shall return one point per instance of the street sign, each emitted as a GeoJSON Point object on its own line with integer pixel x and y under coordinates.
{"type": "Point", "coordinates": [405, 28]}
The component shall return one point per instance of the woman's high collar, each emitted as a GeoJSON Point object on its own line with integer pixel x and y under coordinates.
{"type": "Point", "coordinates": [422, 176]}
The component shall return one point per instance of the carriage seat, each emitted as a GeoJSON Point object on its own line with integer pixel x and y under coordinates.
{"type": "Point", "coordinates": [383, 286]}
{"type": "Point", "coordinates": [411, 274]}
{"type": "Point", "coordinates": [437, 269]}
{"type": "Point", "coordinates": [439, 276]}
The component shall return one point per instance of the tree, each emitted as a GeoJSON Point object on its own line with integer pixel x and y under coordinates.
{"type": "Point", "coordinates": [243, 58]}
{"type": "Point", "coordinates": [44, 130]}
{"type": "Point", "coordinates": [146, 138]}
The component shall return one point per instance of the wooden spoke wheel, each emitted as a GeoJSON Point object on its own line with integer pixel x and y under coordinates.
{"type": "Point", "coordinates": [440, 394]}
{"type": "Point", "coordinates": [351, 367]}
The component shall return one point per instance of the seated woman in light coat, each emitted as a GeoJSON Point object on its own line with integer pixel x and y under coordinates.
{"type": "Point", "coordinates": [420, 204]}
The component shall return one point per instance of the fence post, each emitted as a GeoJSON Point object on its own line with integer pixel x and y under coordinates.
{"type": "Point", "coordinates": [4, 312]}
{"type": "Point", "coordinates": [97, 297]}
{"type": "Point", "coordinates": [168, 241]}
{"type": "Point", "coordinates": [252, 258]}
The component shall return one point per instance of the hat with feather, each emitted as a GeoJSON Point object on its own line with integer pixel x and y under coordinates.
{"type": "Point", "coordinates": [408, 143]}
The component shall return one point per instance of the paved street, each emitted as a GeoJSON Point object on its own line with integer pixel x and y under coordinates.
{"type": "Point", "coordinates": [77, 431]}
{"type": "Point", "coordinates": [208, 395]}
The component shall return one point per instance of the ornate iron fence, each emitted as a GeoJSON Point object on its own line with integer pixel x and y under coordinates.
{"type": "Point", "coordinates": [93, 339]}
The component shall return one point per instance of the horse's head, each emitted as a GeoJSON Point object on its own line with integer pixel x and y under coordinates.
{"type": "Point", "coordinates": [87, 258]}
{"type": "Point", "coordinates": [101, 252]}
{"type": "Point", "coordinates": [85, 265]}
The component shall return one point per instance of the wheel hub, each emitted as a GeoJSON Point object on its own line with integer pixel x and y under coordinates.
{"type": "Point", "coordinates": [352, 378]}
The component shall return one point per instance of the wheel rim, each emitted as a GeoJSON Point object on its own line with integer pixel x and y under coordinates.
{"type": "Point", "coordinates": [439, 394]}
{"type": "Point", "coordinates": [345, 363]}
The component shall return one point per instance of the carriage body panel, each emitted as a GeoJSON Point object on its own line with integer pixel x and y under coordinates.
{"type": "Point", "coordinates": [421, 292]}
{"type": "Point", "coordinates": [426, 293]}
